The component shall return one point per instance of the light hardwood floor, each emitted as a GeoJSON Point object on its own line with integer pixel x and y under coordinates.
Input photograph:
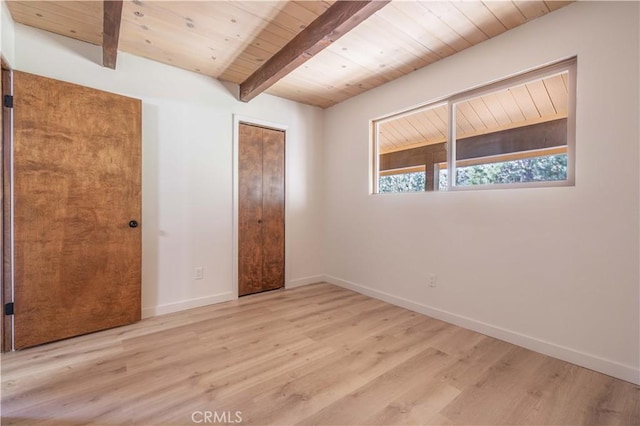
{"type": "Point", "coordinates": [316, 355]}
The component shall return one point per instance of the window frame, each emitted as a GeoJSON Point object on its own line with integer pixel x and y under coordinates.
{"type": "Point", "coordinates": [568, 65]}
{"type": "Point", "coordinates": [402, 171]}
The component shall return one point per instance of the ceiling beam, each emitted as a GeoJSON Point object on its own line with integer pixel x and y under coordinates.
{"type": "Point", "coordinates": [336, 21]}
{"type": "Point", "coordinates": [111, 32]}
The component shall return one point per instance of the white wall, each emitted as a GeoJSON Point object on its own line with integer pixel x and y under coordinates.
{"type": "Point", "coordinates": [187, 136]}
{"type": "Point", "coordinates": [7, 48]}
{"type": "Point", "coordinates": [552, 269]}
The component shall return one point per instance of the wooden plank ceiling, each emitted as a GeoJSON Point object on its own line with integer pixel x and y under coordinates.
{"type": "Point", "coordinates": [229, 40]}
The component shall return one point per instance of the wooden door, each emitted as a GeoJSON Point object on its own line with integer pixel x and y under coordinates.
{"type": "Point", "coordinates": [77, 154]}
{"type": "Point", "coordinates": [260, 209]}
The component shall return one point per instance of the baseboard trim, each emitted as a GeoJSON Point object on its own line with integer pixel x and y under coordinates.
{"type": "Point", "coordinates": [305, 281]}
{"type": "Point", "coordinates": [611, 368]}
{"type": "Point", "coordinates": [216, 298]}
{"type": "Point", "coordinates": [186, 304]}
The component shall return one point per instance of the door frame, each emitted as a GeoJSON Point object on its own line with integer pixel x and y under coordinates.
{"type": "Point", "coordinates": [6, 224]}
{"type": "Point", "coordinates": [237, 120]}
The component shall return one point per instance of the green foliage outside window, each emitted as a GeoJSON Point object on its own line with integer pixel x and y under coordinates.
{"type": "Point", "coordinates": [402, 182]}
{"type": "Point", "coordinates": [536, 169]}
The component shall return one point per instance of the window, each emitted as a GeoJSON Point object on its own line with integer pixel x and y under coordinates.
{"type": "Point", "coordinates": [517, 132]}
{"type": "Point", "coordinates": [412, 140]}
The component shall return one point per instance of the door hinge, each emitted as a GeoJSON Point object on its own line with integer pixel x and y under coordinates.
{"type": "Point", "coordinates": [8, 309]}
{"type": "Point", "coordinates": [8, 101]}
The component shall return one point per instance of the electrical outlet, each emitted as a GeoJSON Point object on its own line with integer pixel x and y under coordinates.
{"type": "Point", "coordinates": [198, 273]}
{"type": "Point", "coordinates": [433, 280]}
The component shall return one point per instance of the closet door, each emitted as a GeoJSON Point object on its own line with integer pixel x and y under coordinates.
{"type": "Point", "coordinates": [272, 209]}
{"type": "Point", "coordinates": [260, 209]}
{"type": "Point", "coordinates": [249, 210]}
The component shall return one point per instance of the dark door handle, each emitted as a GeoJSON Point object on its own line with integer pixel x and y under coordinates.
{"type": "Point", "coordinates": [259, 220]}
{"type": "Point", "coordinates": [133, 224]}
